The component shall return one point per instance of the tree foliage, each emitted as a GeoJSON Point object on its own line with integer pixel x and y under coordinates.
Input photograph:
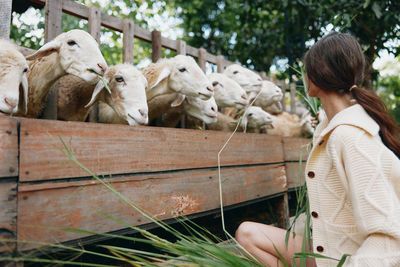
{"type": "Point", "coordinates": [255, 32]}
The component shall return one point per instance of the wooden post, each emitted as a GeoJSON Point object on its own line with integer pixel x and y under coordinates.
{"type": "Point", "coordinates": [52, 28]}
{"type": "Point", "coordinates": [156, 45]}
{"type": "Point", "coordinates": [283, 101]}
{"type": "Point", "coordinates": [128, 28]}
{"type": "Point", "coordinates": [181, 49]}
{"type": "Point", "coordinates": [5, 18]}
{"type": "Point", "coordinates": [202, 58]}
{"type": "Point", "coordinates": [94, 29]}
{"type": "Point", "coordinates": [220, 64]}
{"type": "Point", "coordinates": [283, 212]}
{"type": "Point", "coordinates": [292, 88]}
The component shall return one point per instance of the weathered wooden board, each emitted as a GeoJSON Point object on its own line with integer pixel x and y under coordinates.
{"type": "Point", "coordinates": [119, 149]}
{"type": "Point", "coordinates": [294, 147]}
{"type": "Point", "coordinates": [293, 174]}
{"type": "Point", "coordinates": [162, 195]}
{"type": "Point", "coordinates": [8, 213]}
{"type": "Point", "coordinates": [8, 147]}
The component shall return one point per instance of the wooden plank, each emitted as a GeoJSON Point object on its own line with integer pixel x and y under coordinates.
{"type": "Point", "coordinates": [156, 45]}
{"type": "Point", "coordinates": [181, 47]}
{"type": "Point", "coordinates": [94, 29]}
{"type": "Point", "coordinates": [168, 43]}
{"type": "Point", "coordinates": [128, 34]}
{"type": "Point", "coordinates": [202, 59]}
{"type": "Point", "coordinates": [8, 213]}
{"type": "Point", "coordinates": [8, 147]}
{"type": "Point", "coordinates": [293, 174]}
{"type": "Point", "coordinates": [95, 22]}
{"type": "Point", "coordinates": [294, 147]}
{"type": "Point", "coordinates": [117, 149]}
{"type": "Point", "coordinates": [5, 18]}
{"type": "Point", "coordinates": [192, 51]}
{"type": "Point", "coordinates": [292, 88]}
{"type": "Point", "coordinates": [161, 195]}
{"type": "Point", "coordinates": [283, 211]}
{"type": "Point", "coordinates": [220, 64]}
{"type": "Point", "coordinates": [53, 15]}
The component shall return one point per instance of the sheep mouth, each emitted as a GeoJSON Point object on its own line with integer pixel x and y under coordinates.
{"type": "Point", "coordinates": [95, 72]}
{"type": "Point", "coordinates": [240, 104]}
{"type": "Point", "coordinates": [138, 122]}
{"type": "Point", "coordinates": [212, 116]}
{"type": "Point", "coordinates": [205, 95]}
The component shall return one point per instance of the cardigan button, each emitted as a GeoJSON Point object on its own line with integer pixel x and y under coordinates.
{"type": "Point", "coordinates": [322, 141]}
{"type": "Point", "coordinates": [320, 248]}
{"type": "Point", "coordinates": [314, 214]}
{"type": "Point", "coordinates": [311, 174]}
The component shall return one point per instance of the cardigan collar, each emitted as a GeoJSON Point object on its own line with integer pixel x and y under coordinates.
{"type": "Point", "coordinates": [354, 115]}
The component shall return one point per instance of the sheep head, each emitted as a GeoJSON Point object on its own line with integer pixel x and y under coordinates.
{"type": "Point", "coordinates": [255, 117]}
{"type": "Point", "coordinates": [13, 80]}
{"type": "Point", "coordinates": [270, 94]}
{"type": "Point", "coordinates": [227, 92]}
{"type": "Point", "coordinates": [79, 54]}
{"type": "Point", "coordinates": [184, 76]}
{"type": "Point", "coordinates": [128, 93]}
{"type": "Point", "coordinates": [249, 80]}
{"type": "Point", "coordinates": [205, 110]}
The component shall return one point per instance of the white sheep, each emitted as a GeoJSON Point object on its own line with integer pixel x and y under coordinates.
{"type": "Point", "coordinates": [291, 125]}
{"type": "Point", "coordinates": [227, 92]}
{"type": "Point", "coordinates": [179, 74]}
{"type": "Point", "coordinates": [249, 80]}
{"type": "Point", "coordinates": [125, 105]}
{"type": "Point", "coordinates": [253, 119]}
{"type": "Point", "coordinates": [13, 68]}
{"type": "Point", "coordinates": [204, 110]}
{"type": "Point", "coordinates": [269, 95]}
{"type": "Point", "coordinates": [74, 52]}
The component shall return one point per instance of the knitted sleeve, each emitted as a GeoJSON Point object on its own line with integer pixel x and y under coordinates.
{"type": "Point", "coordinates": [375, 203]}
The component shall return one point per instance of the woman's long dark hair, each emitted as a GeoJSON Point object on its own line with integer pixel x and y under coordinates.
{"type": "Point", "coordinates": [336, 63]}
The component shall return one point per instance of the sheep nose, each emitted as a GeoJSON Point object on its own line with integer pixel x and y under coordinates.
{"type": "Point", "coordinates": [213, 109]}
{"type": "Point", "coordinates": [259, 79]}
{"type": "Point", "coordinates": [209, 88]}
{"type": "Point", "coordinates": [11, 103]}
{"type": "Point", "coordinates": [102, 68]}
{"type": "Point", "coordinates": [244, 96]}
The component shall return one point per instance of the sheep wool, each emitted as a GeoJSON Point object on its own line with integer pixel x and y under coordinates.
{"type": "Point", "coordinates": [353, 186]}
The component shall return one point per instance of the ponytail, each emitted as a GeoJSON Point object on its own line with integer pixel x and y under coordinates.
{"type": "Point", "coordinates": [374, 106]}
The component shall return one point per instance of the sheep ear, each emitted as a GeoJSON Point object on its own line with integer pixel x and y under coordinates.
{"type": "Point", "coordinates": [99, 87]}
{"type": "Point", "coordinates": [178, 101]}
{"type": "Point", "coordinates": [25, 93]}
{"type": "Point", "coordinates": [47, 49]}
{"type": "Point", "coordinates": [165, 72]}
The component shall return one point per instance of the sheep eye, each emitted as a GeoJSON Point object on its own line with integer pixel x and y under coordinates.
{"type": "Point", "coordinates": [71, 43]}
{"type": "Point", "coordinates": [235, 72]}
{"type": "Point", "coordinates": [215, 83]}
{"type": "Point", "coordinates": [119, 79]}
{"type": "Point", "coordinates": [182, 69]}
{"type": "Point", "coordinates": [25, 70]}
{"type": "Point", "coordinates": [250, 114]}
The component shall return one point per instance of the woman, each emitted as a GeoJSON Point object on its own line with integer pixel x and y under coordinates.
{"type": "Point", "coordinates": [352, 173]}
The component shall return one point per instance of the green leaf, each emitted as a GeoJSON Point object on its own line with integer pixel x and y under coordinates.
{"type": "Point", "coordinates": [377, 10]}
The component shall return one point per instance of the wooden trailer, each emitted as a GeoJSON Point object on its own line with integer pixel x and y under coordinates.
{"type": "Point", "coordinates": [167, 172]}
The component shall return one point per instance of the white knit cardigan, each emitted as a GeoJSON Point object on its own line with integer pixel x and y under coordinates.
{"type": "Point", "coordinates": [353, 183]}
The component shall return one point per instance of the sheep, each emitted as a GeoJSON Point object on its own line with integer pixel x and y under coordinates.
{"type": "Point", "coordinates": [227, 92]}
{"type": "Point", "coordinates": [291, 125]}
{"type": "Point", "coordinates": [269, 95]}
{"type": "Point", "coordinates": [74, 52]}
{"type": "Point", "coordinates": [179, 74]}
{"type": "Point", "coordinates": [254, 118]}
{"type": "Point", "coordinates": [13, 68]}
{"type": "Point", "coordinates": [204, 110]}
{"type": "Point", "coordinates": [249, 80]}
{"type": "Point", "coordinates": [125, 105]}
